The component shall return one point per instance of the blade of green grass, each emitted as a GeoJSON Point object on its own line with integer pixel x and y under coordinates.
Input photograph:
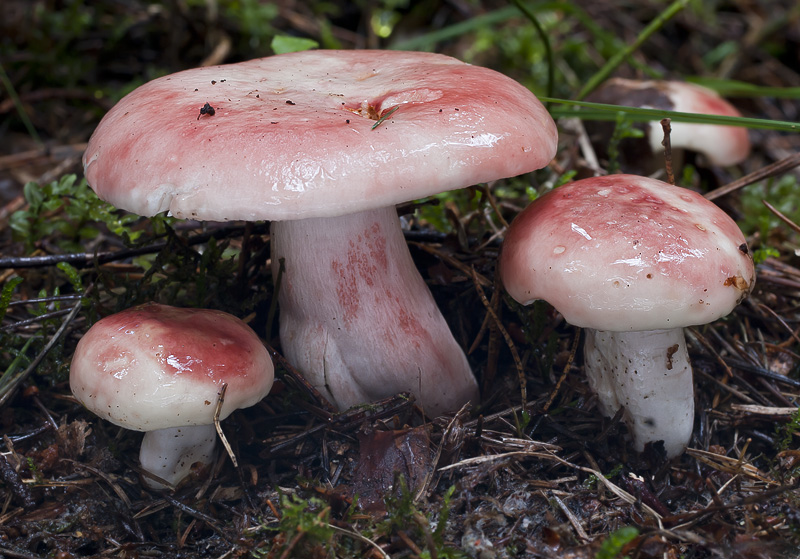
{"type": "Point", "coordinates": [601, 111]}
{"type": "Point", "coordinates": [428, 41]}
{"type": "Point", "coordinates": [603, 73]}
{"type": "Point", "coordinates": [548, 50]}
{"type": "Point", "coordinates": [735, 88]}
{"type": "Point", "coordinates": [23, 115]}
{"type": "Point", "coordinates": [604, 41]}
{"type": "Point", "coordinates": [386, 115]}
{"type": "Point", "coordinates": [12, 368]}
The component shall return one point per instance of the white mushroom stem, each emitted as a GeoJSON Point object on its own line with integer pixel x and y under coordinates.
{"type": "Point", "coordinates": [649, 374]}
{"type": "Point", "coordinates": [170, 453]}
{"type": "Point", "coordinates": [357, 318]}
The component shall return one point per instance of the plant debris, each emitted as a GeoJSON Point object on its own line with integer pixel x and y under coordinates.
{"type": "Point", "coordinates": [207, 109]}
{"type": "Point", "coordinates": [539, 476]}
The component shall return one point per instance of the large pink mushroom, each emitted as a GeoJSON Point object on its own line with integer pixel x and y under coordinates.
{"type": "Point", "coordinates": [160, 369]}
{"type": "Point", "coordinates": [633, 261]}
{"type": "Point", "coordinates": [324, 144]}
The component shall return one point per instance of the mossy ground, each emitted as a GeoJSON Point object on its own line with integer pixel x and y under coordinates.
{"type": "Point", "coordinates": [552, 478]}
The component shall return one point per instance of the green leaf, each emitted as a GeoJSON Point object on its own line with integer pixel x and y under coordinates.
{"type": "Point", "coordinates": [33, 194]}
{"type": "Point", "coordinates": [64, 186]}
{"type": "Point", "coordinates": [761, 254]}
{"type": "Point", "coordinates": [612, 546]}
{"type": "Point", "coordinates": [622, 55]}
{"type": "Point", "coordinates": [311, 518]}
{"type": "Point", "coordinates": [282, 44]}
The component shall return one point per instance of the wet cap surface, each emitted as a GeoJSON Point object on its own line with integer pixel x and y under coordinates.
{"type": "Point", "coordinates": [627, 253]}
{"type": "Point", "coordinates": [153, 366]}
{"type": "Point", "coordinates": [291, 136]}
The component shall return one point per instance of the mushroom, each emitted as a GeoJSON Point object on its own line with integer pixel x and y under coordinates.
{"type": "Point", "coordinates": [721, 145]}
{"type": "Point", "coordinates": [159, 369]}
{"type": "Point", "coordinates": [633, 261]}
{"type": "Point", "coordinates": [324, 144]}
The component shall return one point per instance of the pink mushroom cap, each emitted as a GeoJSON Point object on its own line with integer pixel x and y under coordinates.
{"type": "Point", "coordinates": [324, 144]}
{"type": "Point", "coordinates": [155, 367]}
{"type": "Point", "coordinates": [632, 260]}
{"type": "Point", "coordinates": [291, 136]}
{"type": "Point", "coordinates": [722, 145]}
{"type": "Point", "coordinates": [627, 253]}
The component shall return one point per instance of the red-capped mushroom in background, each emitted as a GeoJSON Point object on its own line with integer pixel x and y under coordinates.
{"type": "Point", "coordinates": [324, 144]}
{"type": "Point", "coordinates": [719, 144]}
{"type": "Point", "coordinates": [633, 261]}
{"type": "Point", "coordinates": [159, 369]}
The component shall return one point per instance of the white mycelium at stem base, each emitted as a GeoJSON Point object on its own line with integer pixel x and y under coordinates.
{"type": "Point", "coordinates": [648, 373]}
{"type": "Point", "coordinates": [357, 317]}
{"type": "Point", "coordinates": [633, 261]}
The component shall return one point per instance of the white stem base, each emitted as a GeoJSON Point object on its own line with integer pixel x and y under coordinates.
{"type": "Point", "coordinates": [358, 320]}
{"type": "Point", "coordinates": [649, 374]}
{"type": "Point", "coordinates": [170, 453]}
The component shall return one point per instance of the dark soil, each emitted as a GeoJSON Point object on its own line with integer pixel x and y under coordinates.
{"type": "Point", "coordinates": [552, 478]}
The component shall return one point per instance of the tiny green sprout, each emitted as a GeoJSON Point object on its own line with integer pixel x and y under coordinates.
{"type": "Point", "coordinates": [612, 546]}
{"type": "Point", "coordinates": [35, 472]}
{"type": "Point", "coordinates": [386, 115]}
{"type": "Point", "coordinates": [688, 176]}
{"type": "Point", "coordinates": [399, 507]}
{"type": "Point", "coordinates": [531, 193]}
{"type": "Point", "coordinates": [70, 212]}
{"type": "Point", "coordinates": [41, 308]}
{"type": "Point", "coordinates": [7, 293]}
{"type": "Point", "coordinates": [624, 129]}
{"type": "Point", "coordinates": [761, 254]}
{"type": "Point", "coordinates": [306, 519]}
{"type": "Point", "coordinates": [403, 514]}
{"type": "Point", "coordinates": [591, 481]}
{"type": "Point", "coordinates": [565, 178]}
{"type": "Point", "coordinates": [781, 193]}
{"type": "Point", "coordinates": [524, 421]}
{"type": "Point", "coordinates": [785, 433]}
{"type": "Point", "coordinates": [73, 275]}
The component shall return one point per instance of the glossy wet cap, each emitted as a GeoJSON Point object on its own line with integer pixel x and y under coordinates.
{"type": "Point", "coordinates": [154, 366]}
{"type": "Point", "coordinates": [722, 145]}
{"type": "Point", "coordinates": [623, 252]}
{"type": "Point", "coordinates": [296, 135]}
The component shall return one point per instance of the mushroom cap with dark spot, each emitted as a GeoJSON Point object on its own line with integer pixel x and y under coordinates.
{"type": "Point", "coordinates": [294, 136]}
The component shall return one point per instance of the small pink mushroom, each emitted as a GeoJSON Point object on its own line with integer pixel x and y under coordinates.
{"type": "Point", "coordinates": [633, 261]}
{"type": "Point", "coordinates": [159, 369]}
{"type": "Point", "coordinates": [721, 145]}
{"type": "Point", "coordinates": [324, 144]}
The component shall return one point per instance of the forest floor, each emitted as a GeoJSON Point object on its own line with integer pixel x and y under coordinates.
{"type": "Point", "coordinates": [546, 477]}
